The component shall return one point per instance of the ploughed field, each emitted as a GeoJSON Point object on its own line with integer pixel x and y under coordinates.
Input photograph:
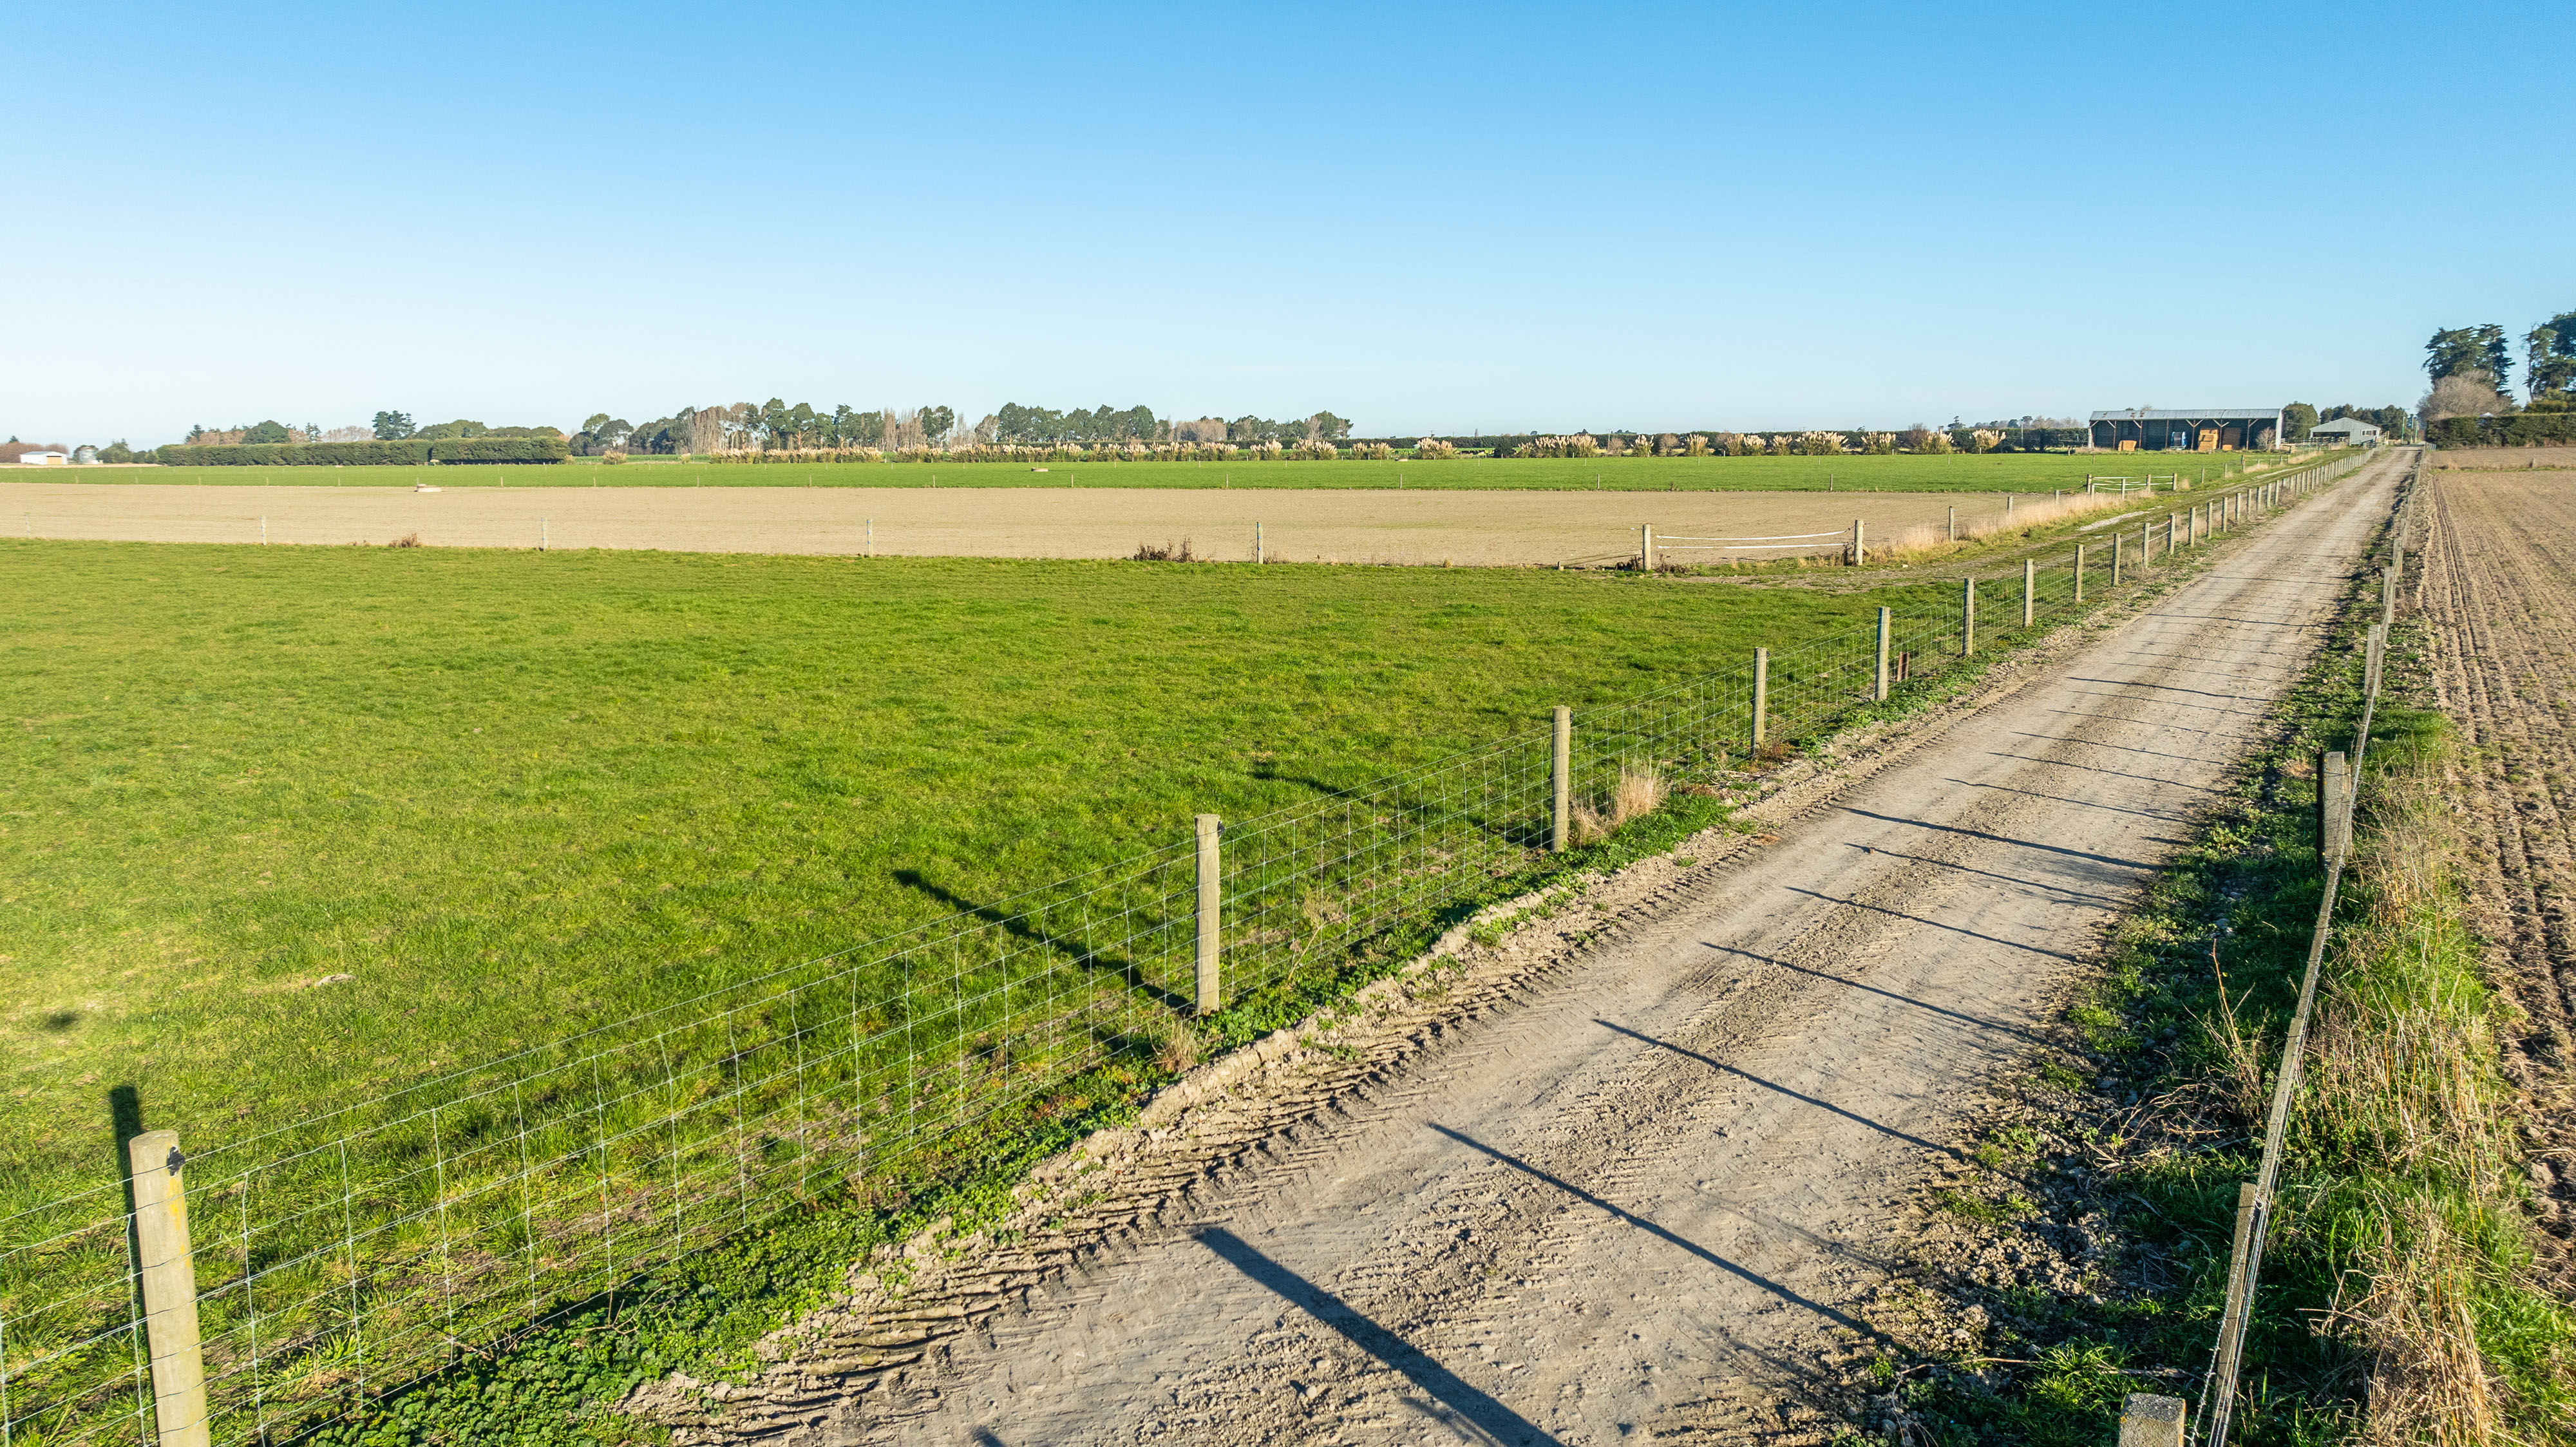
{"type": "Point", "coordinates": [1529, 528]}
{"type": "Point", "coordinates": [514, 795]}
{"type": "Point", "coordinates": [2498, 590]}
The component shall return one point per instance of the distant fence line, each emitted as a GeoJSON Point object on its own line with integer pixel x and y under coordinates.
{"type": "Point", "coordinates": [243, 1291]}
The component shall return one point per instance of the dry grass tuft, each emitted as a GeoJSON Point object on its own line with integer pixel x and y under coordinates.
{"type": "Point", "coordinates": [1176, 1046]}
{"type": "Point", "coordinates": [1164, 552]}
{"type": "Point", "coordinates": [2241, 1056]}
{"type": "Point", "coordinates": [2428, 1380]}
{"type": "Point", "coordinates": [1932, 540]}
{"type": "Point", "coordinates": [1639, 791]}
{"type": "Point", "coordinates": [407, 540]}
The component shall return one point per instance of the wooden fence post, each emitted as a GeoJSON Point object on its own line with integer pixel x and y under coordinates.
{"type": "Point", "coordinates": [1860, 546]}
{"type": "Point", "coordinates": [168, 1270]}
{"type": "Point", "coordinates": [2116, 540]}
{"type": "Point", "coordinates": [2079, 572]}
{"type": "Point", "coordinates": [2029, 585]}
{"type": "Point", "coordinates": [1560, 771]}
{"type": "Point", "coordinates": [2334, 807]}
{"type": "Point", "coordinates": [1211, 896]}
{"type": "Point", "coordinates": [2220, 1396]}
{"type": "Point", "coordinates": [2387, 597]}
{"type": "Point", "coordinates": [1954, 524]}
{"type": "Point", "coordinates": [1761, 695]}
{"type": "Point", "coordinates": [1646, 547]}
{"type": "Point", "coordinates": [1967, 616]}
{"type": "Point", "coordinates": [1886, 625]}
{"type": "Point", "coordinates": [2147, 1420]}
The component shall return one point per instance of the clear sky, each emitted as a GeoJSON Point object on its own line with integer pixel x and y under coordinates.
{"type": "Point", "coordinates": [1428, 217]}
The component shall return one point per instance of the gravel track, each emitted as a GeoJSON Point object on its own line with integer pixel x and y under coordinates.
{"type": "Point", "coordinates": [2497, 585]}
{"type": "Point", "coordinates": [1631, 1172]}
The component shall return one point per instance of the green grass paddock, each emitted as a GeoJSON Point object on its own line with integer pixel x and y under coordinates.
{"type": "Point", "coordinates": [1956, 472]}
{"type": "Point", "coordinates": [516, 794]}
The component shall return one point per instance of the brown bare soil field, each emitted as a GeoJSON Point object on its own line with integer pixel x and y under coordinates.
{"type": "Point", "coordinates": [1466, 528]}
{"type": "Point", "coordinates": [2498, 590]}
{"type": "Point", "coordinates": [2503, 459]}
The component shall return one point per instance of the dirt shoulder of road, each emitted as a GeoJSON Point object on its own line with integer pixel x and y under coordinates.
{"type": "Point", "coordinates": [1222, 1122]}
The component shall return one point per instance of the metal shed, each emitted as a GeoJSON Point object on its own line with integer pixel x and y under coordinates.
{"type": "Point", "coordinates": [2346, 432]}
{"type": "Point", "coordinates": [2206, 429]}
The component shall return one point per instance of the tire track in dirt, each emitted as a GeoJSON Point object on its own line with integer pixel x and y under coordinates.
{"type": "Point", "coordinates": [2497, 587]}
{"type": "Point", "coordinates": [1634, 1175]}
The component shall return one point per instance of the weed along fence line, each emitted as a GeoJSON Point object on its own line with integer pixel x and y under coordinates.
{"type": "Point", "coordinates": [1853, 546]}
{"type": "Point", "coordinates": [2338, 781]}
{"type": "Point", "coordinates": [251, 1290]}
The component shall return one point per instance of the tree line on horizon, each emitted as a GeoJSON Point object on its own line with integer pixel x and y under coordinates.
{"type": "Point", "coordinates": [778, 426]}
{"type": "Point", "coordinates": [2471, 370]}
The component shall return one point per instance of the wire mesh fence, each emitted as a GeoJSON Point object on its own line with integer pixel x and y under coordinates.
{"type": "Point", "coordinates": [340, 1258]}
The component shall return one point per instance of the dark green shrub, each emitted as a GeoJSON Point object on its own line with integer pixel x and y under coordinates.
{"type": "Point", "coordinates": [489, 449]}
{"type": "Point", "coordinates": [310, 454]}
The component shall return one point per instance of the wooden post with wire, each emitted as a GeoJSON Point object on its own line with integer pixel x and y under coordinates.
{"type": "Point", "coordinates": [1560, 770]}
{"type": "Point", "coordinates": [1860, 545]}
{"type": "Point", "coordinates": [2334, 807]}
{"type": "Point", "coordinates": [1761, 695]}
{"type": "Point", "coordinates": [2079, 572]}
{"type": "Point", "coordinates": [1211, 898]}
{"type": "Point", "coordinates": [2231, 1326]}
{"type": "Point", "coordinates": [1646, 548]}
{"type": "Point", "coordinates": [2147, 1420]}
{"type": "Point", "coordinates": [2029, 595]}
{"type": "Point", "coordinates": [1967, 616]}
{"type": "Point", "coordinates": [1886, 626]}
{"type": "Point", "coordinates": [167, 1270]}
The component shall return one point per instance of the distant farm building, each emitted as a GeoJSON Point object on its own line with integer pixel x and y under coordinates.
{"type": "Point", "coordinates": [43, 459]}
{"type": "Point", "coordinates": [2346, 432]}
{"type": "Point", "coordinates": [2209, 429]}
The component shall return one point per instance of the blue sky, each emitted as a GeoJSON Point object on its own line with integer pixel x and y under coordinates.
{"type": "Point", "coordinates": [1436, 217]}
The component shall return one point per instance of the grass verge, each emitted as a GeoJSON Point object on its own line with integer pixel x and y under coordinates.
{"type": "Point", "coordinates": [2395, 1305]}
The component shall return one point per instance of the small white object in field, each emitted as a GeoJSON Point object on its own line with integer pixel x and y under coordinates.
{"type": "Point", "coordinates": [427, 487]}
{"type": "Point", "coordinates": [335, 980]}
{"type": "Point", "coordinates": [1037, 469]}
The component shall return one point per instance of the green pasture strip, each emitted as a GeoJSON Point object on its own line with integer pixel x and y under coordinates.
{"type": "Point", "coordinates": [518, 794]}
{"type": "Point", "coordinates": [2028, 473]}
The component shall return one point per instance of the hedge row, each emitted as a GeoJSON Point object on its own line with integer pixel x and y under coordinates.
{"type": "Point", "coordinates": [411, 453]}
{"type": "Point", "coordinates": [2517, 429]}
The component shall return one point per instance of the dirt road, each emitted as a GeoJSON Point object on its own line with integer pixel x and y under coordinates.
{"type": "Point", "coordinates": [1468, 528]}
{"type": "Point", "coordinates": [2498, 589]}
{"type": "Point", "coordinates": [1643, 1193]}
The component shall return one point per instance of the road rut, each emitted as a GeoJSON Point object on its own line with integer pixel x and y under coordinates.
{"type": "Point", "coordinates": [1648, 1197]}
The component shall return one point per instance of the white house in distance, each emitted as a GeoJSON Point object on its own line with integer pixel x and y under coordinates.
{"type": "Point", "coordinates": [44, 459]}
{"type": "Point", "coordinates": [2345, 432]}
